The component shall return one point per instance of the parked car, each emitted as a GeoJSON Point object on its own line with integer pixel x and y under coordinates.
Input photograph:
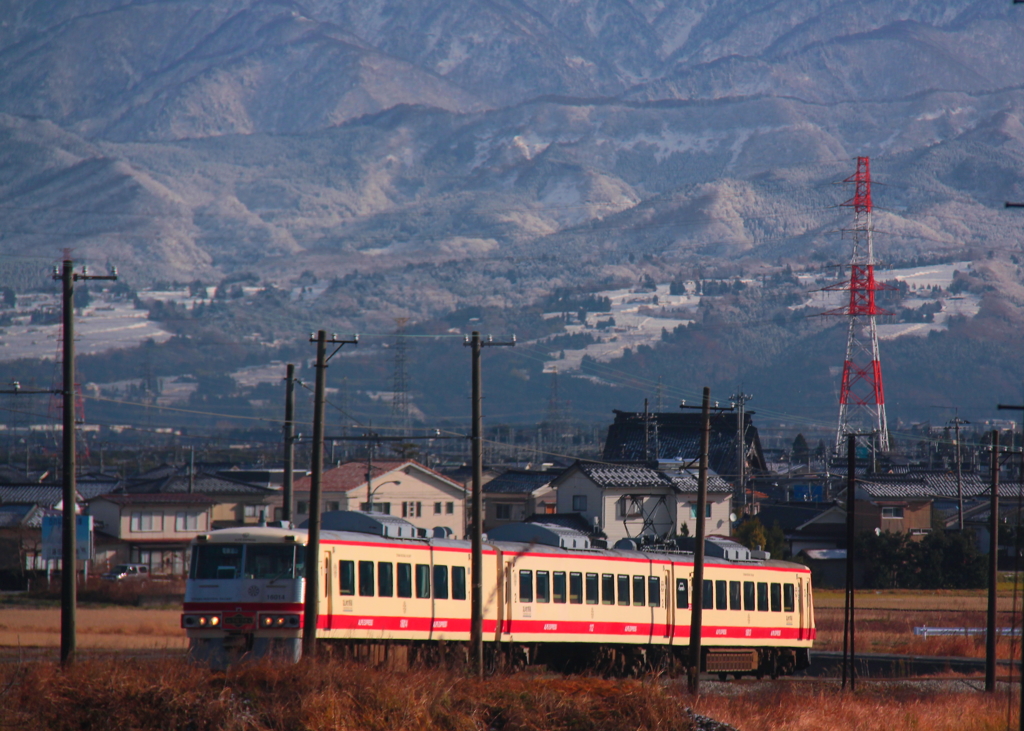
{"type": "Point", "coordinates": [126, 571]}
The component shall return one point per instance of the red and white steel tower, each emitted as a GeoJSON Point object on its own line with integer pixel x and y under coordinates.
{"type": "Point", "coordinates": [861, 397]}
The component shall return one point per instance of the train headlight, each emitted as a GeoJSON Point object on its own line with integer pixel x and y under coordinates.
{"type": "Point", "coordinates": [188, 621]}
{"type": "Point", "coordinates": [214, 621]}
{"type": "Point", "coordinates": [203, 621]}
{"type": "Point", "coordinates": [268, 621]}
{"type": "Point", "coordinates": [279, 621]}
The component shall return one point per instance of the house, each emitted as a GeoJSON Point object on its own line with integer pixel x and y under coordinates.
{"type": "Point", "coordinates": [20, 544]}
{"type": "Point", "coordinates": [403, 488]}
{"type": "Point", "coordinates": [897, 505]}
{"type": "Point", "coordinates": [632, 499]}
{"type": "Point", "coordinates": [152, 529]}
{"type": "Point", "coordinates": [237, 503]}
{"type": "Point", "coordinates": [639, 437]}
{"type": "Point", "coordinates": [807, 527]}
{"type": "Point", "coordinates": [517, 494]}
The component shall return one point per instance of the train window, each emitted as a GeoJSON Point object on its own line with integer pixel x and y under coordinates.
{"type": "Point", "coordinates": [639, 599]}
{"type": "Point", "coordinates": [269, 562]}
{"type": "Point", "coordinates": [735, 595]}
{"type": "Point", "coordinates": [526, 586]}
{"type": "Point", "coordinates": [607, 588]}
{"type": "Point", "coordinates": [788, 598]}
{"type": "Point", "coordinates": [459, 582]}
{"type": "Point", "coordinates": [405, 580]}
{"type": "Point", "coordinates": [558, 590]}
{"type": "Point", "coordinates": [385, 579]}
{"type": "Point", "coordinates": [366, 578]}
{"type": "Point", "coordinates": [682, 594]}
{"type": "Point", "coordinates": [722, 595]}
{"type": "Point", "coordinates": [762, 596]}
{"type": "Point", "coordinates": [219, 562]}
{"type": "Point", "coordinates": [592, 589]}
{"type": "Point", "coordinates": [347, 577]}
{"type": "Point", "coordinates": [748, 597]}
{"type": "Point", "coordinates": [422, 581]}
{"type": "Point", "coordinates": [543, 586]}
{"type": "Point", "coordinates": [623, 589]}
{"type": "Point", "coordinates": [776, 597]}
{"type": "Point", "coordinates": [575, 588]}
{"type": "Point", "coordinates": [708, 600]}
{"type": "Point", "coordinates": [440, 582]}
{"type": "Point", "coordinates": [654, 591]}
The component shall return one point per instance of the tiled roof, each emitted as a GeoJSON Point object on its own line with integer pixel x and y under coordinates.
{"type": "Point", "coordinates": [352, 475]}
{"type": "Point", "coordinates": [935, 485]}
{"type": "Point", "coordinates": [158, 498]}
{"type": "Point", "coordinates": [686, 481]}
{"type": "Point", "coordinates": [789, 517]}
{"type": "Point", "coordinates": [204, 483]}
{"type": "Point", "coordinates": [89, 490]}
{"type": "Point", "coordinates": [45, 495]}
{"type": "Point", "coordinates": [12, 516]}
{"type": "Point", "coordinates": [674, 436]}
{"type": "Point", "coordinates": [624, 475]}
{"type": "Point", "coordinates": [519, 481]}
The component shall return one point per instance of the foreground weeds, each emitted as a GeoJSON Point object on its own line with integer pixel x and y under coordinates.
{"type": "Point", "coordinates": [333, 695]}
{"type": "Point", "coordinates": [111, 696]}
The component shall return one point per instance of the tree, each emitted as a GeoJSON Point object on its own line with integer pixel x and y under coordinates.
{"type": "Point", "coordinates": [10, 298]}
{"type": "Point", "coordinates": [752, 534]}
{"type": "Point", "coordinates": [801, 452]}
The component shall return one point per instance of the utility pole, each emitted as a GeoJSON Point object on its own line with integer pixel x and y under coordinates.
{"type": "Point", "coordinates": [956, 422]}
{"type": "Point", "coordinates": [849, 651]}
{"type": "Point", "coordinates": [476, 631]}
{"type": "Point", "coordinates": [311, 610]}
{"type": "Point", "coordinates": [993, 571]}
{"type": "Point", "coordinates": [740, 399]}
{"type": "Point", "coordinates": [289, 442]}
{"type": "Point", "coordinates": [697, 610]}
{"type": "Point", "coordinates": [69, 565]}
{"type": "Point", "coordinates": [1019, 407]}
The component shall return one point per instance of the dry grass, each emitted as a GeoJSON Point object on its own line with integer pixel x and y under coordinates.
{"type": "Point", "coordinates": [120, 628]}
{"type": "Point", "coordinates": [875, 708]}
{"type": "Point", "coordinates": [116, 695]}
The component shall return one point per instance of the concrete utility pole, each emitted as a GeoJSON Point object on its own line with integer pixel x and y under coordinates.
{"type": "Point", "coordinates": [289, 442]}
{"type": "Point", "coordinates": [849, 644]}
{"type": "Point", "coordinates": [993, 571]}
{"type": "Point", "coordinates": [1019, 407]}
{"type": "Point", "coordinates": [476, 630]}
{"type": "Point", "coordinates": [697, 609]}
{"type": "Point", "coordinates": [311, 609]}
{"type": "Point", "coordinates": [69, 565]}
{"type": "Point", "coordinates": [956, 422]}
{"type": "Point", "coordinates": [740, 399]}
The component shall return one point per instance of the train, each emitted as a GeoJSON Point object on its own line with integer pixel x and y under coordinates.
{"type": "Point", "coordinates": [391, 595]}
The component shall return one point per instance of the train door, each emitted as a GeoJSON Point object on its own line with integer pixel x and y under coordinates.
{"type": "Point", "coordinates": [507, 628]}
{"type": "Point", "coordinates": [668, 600]}
{"type": "Point", "coordinates": [329, 589]}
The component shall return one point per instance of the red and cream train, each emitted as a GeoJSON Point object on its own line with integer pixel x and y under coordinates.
{"type": "Point", "coordinates": [386, 593]}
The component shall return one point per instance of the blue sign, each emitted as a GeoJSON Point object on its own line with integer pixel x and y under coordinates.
{"type": "Point", "coordinates": [53, 541]}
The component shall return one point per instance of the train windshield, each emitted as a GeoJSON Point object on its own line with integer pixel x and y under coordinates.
{"type": "Point", "coordinates": [254, 561]}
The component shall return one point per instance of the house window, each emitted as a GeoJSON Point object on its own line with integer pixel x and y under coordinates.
{"type": "Point", "coordinates": [250, 511]}
{"type": "Point", "coordinates": [302, 507]}
{"type": "Point", "coordinates": [333, 505]}
{"type": "Point", "coordinates": [382, 508]}
{"type": "Point", "coordinates": [503, 511]}
{"type": "Point", "coordinates": [412, 510]}
{"type": "Point", "coordinates": [579, 503]}
{"type": "Point", "coordinates": [186, 521]}
{"type": "Point", "coordinates": [147, 522]}
{"type": "Point", "coordinates": [449, 508]}
{"type": "Point", "coordinates": [630, 507]}
{"type": "Point", "coordinates": [437, 508]}
{"type": "Point", "coordinates": [896, 513]}
{"type": "Point", "coordinates": [693, 511]}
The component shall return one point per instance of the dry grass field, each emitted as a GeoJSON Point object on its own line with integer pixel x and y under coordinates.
{"type": "Point", "coordinates": [120, 695]}
{"type": "Point", "coordinates": [107, 628]}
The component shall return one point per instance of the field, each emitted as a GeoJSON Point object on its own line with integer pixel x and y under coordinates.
{"type": "Point", "coordinates": [105, 628]}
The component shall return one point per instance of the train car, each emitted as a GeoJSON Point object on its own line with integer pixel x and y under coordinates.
{"type": "Point", "coordinates": [388, 595]}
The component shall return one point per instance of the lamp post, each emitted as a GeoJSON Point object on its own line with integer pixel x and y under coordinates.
{"type": "Point", "coordinates": [371, 492]}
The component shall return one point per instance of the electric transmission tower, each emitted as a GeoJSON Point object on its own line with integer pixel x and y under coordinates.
{"type": "Point", "coordinates": [400, 412]}
{"type": "Point", "coordinates": [861, 396]}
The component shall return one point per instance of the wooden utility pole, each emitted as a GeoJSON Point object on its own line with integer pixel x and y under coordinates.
{"type": "Point", "coordinates": [993, 571]}
{"type": "Point", "coordinates": [69, 539]}
{"type": "Point", "coordinates": [311, 610]}
{"type": "Point", "coordinates": [476, 627]}
{"type": "Point", "coordinates": [289, 443]}
{"type": "Point", "coordinates": [697, 609]}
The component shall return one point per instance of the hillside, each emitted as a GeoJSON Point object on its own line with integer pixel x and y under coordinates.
{"type": "Point", "coordinates": [426, 158]}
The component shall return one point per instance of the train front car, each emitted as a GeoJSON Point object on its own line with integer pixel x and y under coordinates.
{"type": "Point", "coordinates": [244, 595]}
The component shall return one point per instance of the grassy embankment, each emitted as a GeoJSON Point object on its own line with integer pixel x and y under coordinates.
{"type": "Point", "coordinates": [335, 696]}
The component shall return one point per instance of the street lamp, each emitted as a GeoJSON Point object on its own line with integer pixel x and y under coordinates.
{"type": "Point", "coordinates": [371, 492]}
